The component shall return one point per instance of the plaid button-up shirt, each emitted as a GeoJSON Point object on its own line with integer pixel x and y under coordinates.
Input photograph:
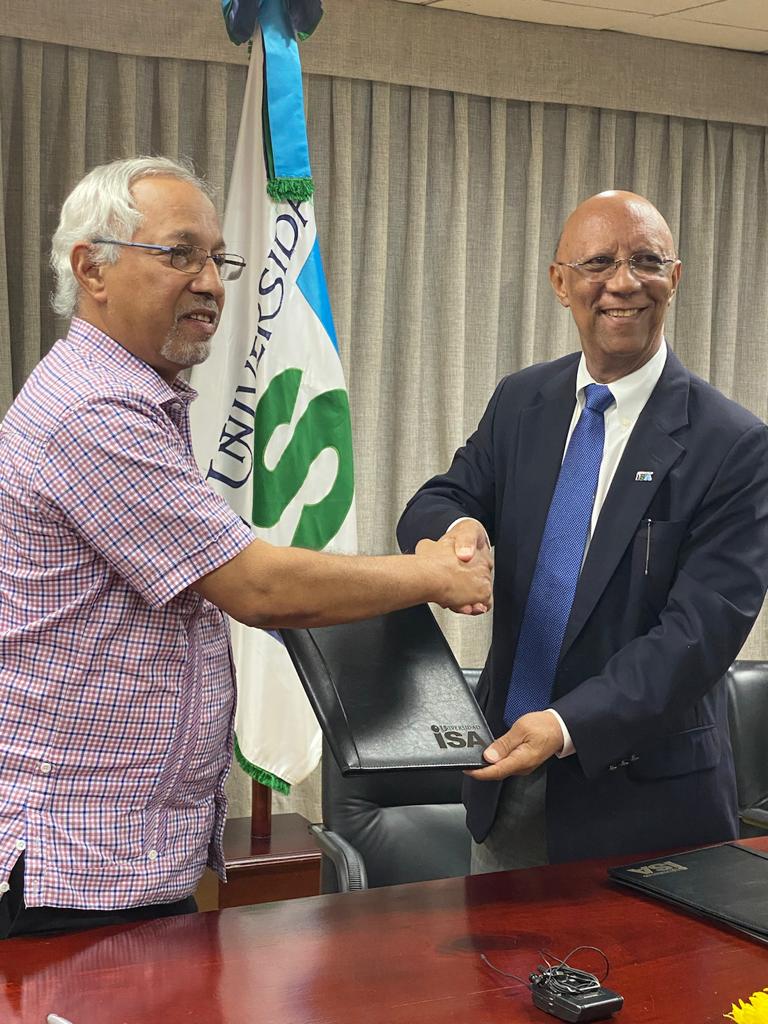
{"type": "Point", "coordinates": [116, 680]}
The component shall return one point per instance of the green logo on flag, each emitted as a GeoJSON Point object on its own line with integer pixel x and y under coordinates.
{"type": "Point", "coordinates": [324, 424]}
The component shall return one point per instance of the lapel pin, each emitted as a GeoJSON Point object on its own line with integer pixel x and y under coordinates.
{"type": "Point", "coordinates": [644, 475]}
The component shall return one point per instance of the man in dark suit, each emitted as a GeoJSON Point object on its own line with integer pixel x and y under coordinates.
{"type": "Point", "coordinates": [602, 681]}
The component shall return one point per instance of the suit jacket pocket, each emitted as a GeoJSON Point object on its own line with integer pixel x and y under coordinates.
{"type": "Point", "coordinates": [678, 754]}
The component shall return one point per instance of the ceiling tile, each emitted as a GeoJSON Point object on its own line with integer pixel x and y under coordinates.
{"type": "Point", "coordinates": [651, 8]}
{"type": "Point", "coordinates": [678, 27]}
{"type": "Point", "coordinates": [705, 34]}
{"type": "Point", "coordinates": [551, 11]}
{"type": "Point", "coordinates": [542, 11]}
{"type": "Point", "coordinates": [737, 13]}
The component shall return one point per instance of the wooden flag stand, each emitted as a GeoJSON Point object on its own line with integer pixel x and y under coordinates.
{"type": "Point", "coordinates": [267, 857]}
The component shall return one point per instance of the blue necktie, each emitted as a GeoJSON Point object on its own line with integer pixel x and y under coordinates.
{"type": "Point", "coordinates": [559, 562]}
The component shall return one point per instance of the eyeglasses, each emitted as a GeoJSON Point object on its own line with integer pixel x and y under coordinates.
{"type": "Point", "coordinates": [644, 265]}
{"type": "Point", "coordinates": [189, 259]}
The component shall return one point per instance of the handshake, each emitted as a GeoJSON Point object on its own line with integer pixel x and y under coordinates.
{"type": "Point", "coordinates": [465, 554]}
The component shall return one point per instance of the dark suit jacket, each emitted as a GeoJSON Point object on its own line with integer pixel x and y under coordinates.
{"type": "Point", "coordinates": [674, 577]}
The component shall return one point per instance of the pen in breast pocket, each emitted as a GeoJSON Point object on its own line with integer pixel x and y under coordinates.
{"type": "Point", "coordinates": [648, 524]}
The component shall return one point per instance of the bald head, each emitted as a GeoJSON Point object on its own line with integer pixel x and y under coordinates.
{"type": "Point", "coordinates": [617, 271]}
{"type": "Point", "coordinates": [606, 209]}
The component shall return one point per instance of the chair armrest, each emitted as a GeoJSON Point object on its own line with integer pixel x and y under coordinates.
{"type": "Point", "coordinates": [350, 869]}
{"type": "Point", "coordinates": [756, 816]}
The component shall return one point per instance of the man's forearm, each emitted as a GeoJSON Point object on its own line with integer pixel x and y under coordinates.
{"type": "Point", "coordinates": [274, 587]}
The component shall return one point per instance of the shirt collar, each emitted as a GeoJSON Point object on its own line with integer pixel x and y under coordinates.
{"type": "Point", "coordinates": [141, 375]}
{"type": "Point", "coordinates": [630, 392]}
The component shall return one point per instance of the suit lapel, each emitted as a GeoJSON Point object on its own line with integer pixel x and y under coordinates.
{"type": "Point", "coordinates": [650, 447]}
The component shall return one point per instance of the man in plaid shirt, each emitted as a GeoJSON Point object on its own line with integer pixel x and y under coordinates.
{"type": "Point", "coordinates": [117, 562]}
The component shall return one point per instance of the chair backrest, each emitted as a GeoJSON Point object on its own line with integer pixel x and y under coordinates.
{"type": "Point", "coordinates": [407, 826]}
{"type": "Point", "coordinates": [747, 687]}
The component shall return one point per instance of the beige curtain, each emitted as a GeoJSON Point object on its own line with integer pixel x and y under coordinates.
{"type": "Point", "coordinates": [438, 213]}
{"type": "Point", "coordinates": [63, 110]}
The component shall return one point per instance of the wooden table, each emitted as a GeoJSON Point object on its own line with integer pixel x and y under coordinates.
{"type": "Point", "coordinates": [409, 954]}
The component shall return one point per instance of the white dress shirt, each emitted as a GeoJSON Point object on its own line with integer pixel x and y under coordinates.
{"type": "Point", "coordinates": [630, 395]}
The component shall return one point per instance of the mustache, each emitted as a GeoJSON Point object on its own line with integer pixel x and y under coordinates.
{"type": "Point", "coordinates": [201, 307]}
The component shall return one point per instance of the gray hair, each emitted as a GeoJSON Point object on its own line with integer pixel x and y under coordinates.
{"type": "Point", "coordinates": [101, 205]}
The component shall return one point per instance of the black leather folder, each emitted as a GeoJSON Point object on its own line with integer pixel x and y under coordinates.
{"type": "Point", "coordinates": [389, 694]}
{"type": "Point", "coordinates": [727, 884]}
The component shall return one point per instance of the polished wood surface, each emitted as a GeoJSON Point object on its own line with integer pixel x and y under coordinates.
{"type": "Point", "coordinates": [409, 954]}
{"type": "Point", "coordinates": [284, 865]}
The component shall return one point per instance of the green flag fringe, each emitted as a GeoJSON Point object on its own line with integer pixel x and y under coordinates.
{"type": "Point", "coordinates": [261, 774]}
{"type": "Point", "coordinates": [297, 190]}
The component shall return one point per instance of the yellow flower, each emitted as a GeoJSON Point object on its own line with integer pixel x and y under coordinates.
{"type": "Point", "coordinates": [753, 1012]}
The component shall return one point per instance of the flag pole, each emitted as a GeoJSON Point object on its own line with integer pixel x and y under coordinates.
{"type": "Point", "coordinates": [261, 811]}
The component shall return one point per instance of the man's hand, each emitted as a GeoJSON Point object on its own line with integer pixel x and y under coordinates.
{"type": "Point", "coordinates": [469, 541]}
{"type": "Point", "coordinates": [531, 741]}
{"type": "Point", "coordinates": [468, 584]}
{"type": "Point", "coordinates": [468, 537]}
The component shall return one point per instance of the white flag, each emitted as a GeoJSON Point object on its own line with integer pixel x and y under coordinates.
{"type": "Point", "coordinates": [271, 427]}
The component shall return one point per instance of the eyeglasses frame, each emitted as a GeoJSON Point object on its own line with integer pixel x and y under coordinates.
{"type": "Point", "coordinates": [597, 275]}
{"type": "Point", "coordinates": [230, 259]}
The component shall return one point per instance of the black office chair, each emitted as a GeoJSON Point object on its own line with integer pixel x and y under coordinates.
{"type": "Point", "coordinates": [391, 827]}
{"type": "Point", "coordinates": [747, 686]}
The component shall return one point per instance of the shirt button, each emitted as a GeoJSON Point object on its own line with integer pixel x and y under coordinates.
{"type": "Point", "coordinates": [4, 887]}
{"type": "Point", "coordinates": [20, 844]}
{"type": "Point", "coordinates": [152, 854]}
{"type": "Point", "coordinates": [45, 767]}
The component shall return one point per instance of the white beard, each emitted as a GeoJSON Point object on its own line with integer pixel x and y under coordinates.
{"type": "Point", "coordinates": [182, 352]}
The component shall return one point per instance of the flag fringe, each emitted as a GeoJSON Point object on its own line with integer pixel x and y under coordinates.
{"type": "Point", "coordinates": [297, 190]}
{"type": "Point", "coordinates": [261, 774]}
